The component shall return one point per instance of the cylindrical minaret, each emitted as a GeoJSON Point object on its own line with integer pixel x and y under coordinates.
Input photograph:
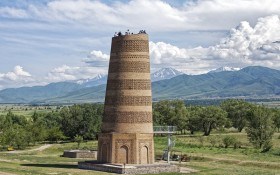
{"type": "Point", "coordinates": [127, 128]}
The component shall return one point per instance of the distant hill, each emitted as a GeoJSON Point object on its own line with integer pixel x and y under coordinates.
{"type": "Point", "coordinates": [249, 82]}
{"type": "Point", "coordinates": [37, 93]}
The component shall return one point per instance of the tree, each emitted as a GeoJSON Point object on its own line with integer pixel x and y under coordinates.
{"type": "Point", "coordinates": [212, 117]}
{"type": "Point", "coordinates": [276, 118]}
{"type": "Point", "coordinates": [237, 111]}
{"type": "Point", "coordinates": [260, 127]}
{"type": "Point", "coordinates": [172, 113]}
{"type": "Point", "coordinates": [14, 136]}
{"type": "Point", "coordinates": [163, 113]}
{"type": "Point", "coordinates": [35, 132]}
{"type": "Point", "coordinates": [84, 120]}
{"type": "Point", "coordinates": [55, 134]}
{"type": "Point", "coordinates": [181, 115]}
{"type": "Point", "coordinates": [194, 122]}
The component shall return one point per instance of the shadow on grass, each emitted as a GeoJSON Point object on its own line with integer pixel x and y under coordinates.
{"type": "Point", "coordinates": [51, 165]}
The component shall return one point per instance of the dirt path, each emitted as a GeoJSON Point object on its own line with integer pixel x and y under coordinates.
{"type": "Point", "coordinates": [3, 173]}
{"type": "Point", "coordinates": [41, 148]}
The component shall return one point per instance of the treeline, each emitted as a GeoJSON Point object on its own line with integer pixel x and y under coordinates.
{"type": "Point", "coordinates": [83, 122]}
{"type": "Point", "coordinates": [259, 122]}
{"type": "Point", "coordinates": [75, 122]}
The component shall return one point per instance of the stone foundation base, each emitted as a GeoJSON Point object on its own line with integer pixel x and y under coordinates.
{"type": "Point", "coordinates": [80, 154]}
{"type": "Point", "coordinates": [128, 148]}
{"type": "Point", "coordinates": [129, 168]}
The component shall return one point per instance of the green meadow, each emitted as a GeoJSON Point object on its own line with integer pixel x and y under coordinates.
{"type": "Point", "coordinates": [204, 157]}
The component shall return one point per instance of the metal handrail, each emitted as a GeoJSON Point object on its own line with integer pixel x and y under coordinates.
{"type": "Point", "coordinates": [165, 129]}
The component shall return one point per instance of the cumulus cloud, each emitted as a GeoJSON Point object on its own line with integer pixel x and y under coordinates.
{"type": "Point", "coordinates": [97, 59]}
{"type": "Point", "coordinates": [209, 14]}
{"type": "Point", "coordinates": [68, 73]}
{"type": "Point", "coordinates": [245, 46]}
{"type": "Point", "coordinates": [17, 77]}
{"type": "Point", "coordinates": [256, 45]}
{"type": "Point", "coordinates": [17, 74]}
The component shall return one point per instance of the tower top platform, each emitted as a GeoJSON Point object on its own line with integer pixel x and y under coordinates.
{"type": "Point", "coordinates": [128, 33]}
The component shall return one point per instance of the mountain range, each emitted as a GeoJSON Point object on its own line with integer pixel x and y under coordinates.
{"type": "Point", "coordinates": [249, 82]}
{"type": "Point", "coordinates": [165, 73]}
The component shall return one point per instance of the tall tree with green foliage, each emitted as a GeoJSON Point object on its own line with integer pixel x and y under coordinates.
{"type": "Point", "coordinates": [276, 118]}
{"type": "Point", "coordinates": [14, 136]}
{"type": "Point", "coordinates": [181, 115]}
{"type": "Point", "coordinates": [163, 112]}
{"type": "Point", "coordinates": [55, 134]}
{"type": "Point", "coordinates": [212, 117]}
{"type": "Point", "coordinates": [260, 127]}
{"type": "Point", "coordinates": [84, 120]}
{"type": "Point", "coordinates": [172, 113]}
{"type": "Point", "coordinates": [194, 122]}
{"type": "Point", "coordinates": [237, 111]}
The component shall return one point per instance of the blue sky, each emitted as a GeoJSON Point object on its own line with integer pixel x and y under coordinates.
{"type": "Point", "coordinates": [57, 40]}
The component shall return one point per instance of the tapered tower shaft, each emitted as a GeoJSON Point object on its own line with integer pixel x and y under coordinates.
{"type": "Point", "coordinates": [127, 128]}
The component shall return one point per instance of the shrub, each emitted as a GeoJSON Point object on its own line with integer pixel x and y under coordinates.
{"type": "Point", "coordinates": [213, 140]}
{"type": "Point", "coordinates": [267, 146]}
{"type": "Point", "coordinates": [229, 140]}
{"type": "Point", "coordinates": [201, 140]}
{"type": "Point", "coordinates": [237, 144]}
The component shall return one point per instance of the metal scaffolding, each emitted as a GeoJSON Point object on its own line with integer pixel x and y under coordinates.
{"type": "Point", "coordinates": [169, 130]}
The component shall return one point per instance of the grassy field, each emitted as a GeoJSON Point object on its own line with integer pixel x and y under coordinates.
{"type": "Point", "coordinates": [25, 110]}
{"type": "Point", "coordinates": [205, 158]}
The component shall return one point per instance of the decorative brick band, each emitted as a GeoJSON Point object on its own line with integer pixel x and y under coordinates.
{"type": "Point", "coordinates": [130, 46]}
{"type": "Point", "coordinates": [129, 84]}
{"type": "Point", "coordinates": [128, 100]}
{"type": "Point", "coordinates": [129, 66]}
{"type": "Point", "coordinates": [130, 58]}
{"type": "Point", "coordinates": [128, 117]}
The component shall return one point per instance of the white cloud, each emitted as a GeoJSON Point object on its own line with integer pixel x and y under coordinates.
{"type": "Point", "coordinates": [245, 46]}
{"type": "Point", "coordinates": [17, 77]}
{"type": "Point", "coordinates": [203, 14]}
{"type": "Point", "coordinates": [252, 45]}
{"type": "Point", "coordinates": [68, 73]}
{"type": "Point", "coordinates": [17, 74]}
{"type": "Point", "coordinates": [97, 59]}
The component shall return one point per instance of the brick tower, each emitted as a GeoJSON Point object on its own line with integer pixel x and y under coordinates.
{"type": "Point", "coordinates": [127, 128]}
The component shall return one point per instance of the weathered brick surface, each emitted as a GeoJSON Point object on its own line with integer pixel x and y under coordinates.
{"type": "Point", "coordinates": [127, 133]}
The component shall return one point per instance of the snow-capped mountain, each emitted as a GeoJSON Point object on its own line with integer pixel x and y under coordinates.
{"type": "Point", "coordinates": [222, 69]}
{"type": "Point", "coordinates": [165, 73]}
{"type": "Point", "coordinates": [98, 80]}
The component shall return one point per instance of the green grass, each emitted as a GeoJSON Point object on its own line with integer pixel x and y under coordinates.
{"type": "Point", "coordinates": [24, 110]}
{"type": "Point", "coordinates": [207, 159]}
{"type": "Point", "coordinates": [47, 161]}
